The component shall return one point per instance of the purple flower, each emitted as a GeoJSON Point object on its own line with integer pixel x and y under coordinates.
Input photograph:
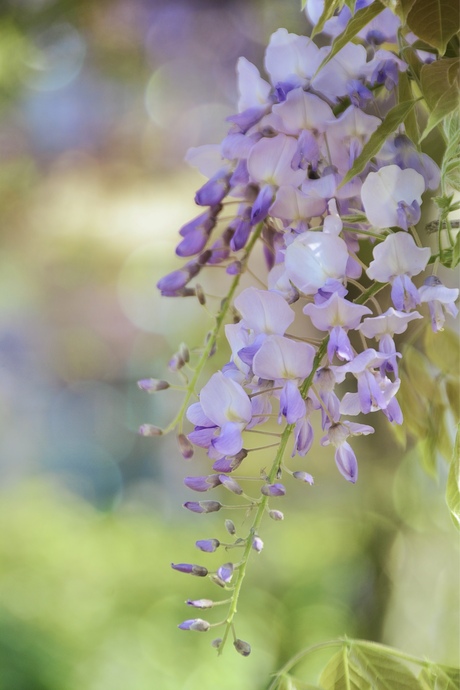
{"type": "Point", "coordinates": [202, 483]}
{"type": "Point", "coordinates": [440, 301]}
{"type": "Point", "coordinates": [196, 624]}
{"type": "Point", "coordinates": [190, 569]}
{"type": "Point", "coordinates": [203, 506]}
{"type": "Point", "coordinates": [230, 484]}
{"type": "Point", "coordinates": [208, 545]}
{"type": "Point", "coordinates": [200, 603]}
{"type": "Point", "coordinates": [273, 490]}
{"type": "Point", "coordinates": [225, 572]}
{"type": "Point", "coordinates": [303, 477]}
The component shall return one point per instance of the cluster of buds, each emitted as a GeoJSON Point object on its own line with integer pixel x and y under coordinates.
{"type": "Point", "coordinates": [288, 161]}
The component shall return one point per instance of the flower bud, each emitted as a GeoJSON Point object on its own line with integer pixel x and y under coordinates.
{"type": "Point", "coordinates": [242, 647]}
{"type": "Point", "coordinates": [176, 362]}
{"type": "Point", "coordinates": [200, 294]}
{"type": "Point", "coordinates": [273, 490]}
{"type": "Point", "coordinates": [200, 603]}
{"type": "Point", "coordinates": [152, 385]}
{"type": "Point", "coordinates": [185, 446]}
{"type": "Point", "coordinates": [257, 544]}
{"type": "Point", "coordinates": [203, 506]}
{"type": "Point", "coordinates": [225, 572]}
{"type": "Point", "coordinates": [149, 430]}
{"type": "Point", "coordinates": [208, 545]}
{"type": "Point", "coordinates": [216, 643]}
{"type": "Point", "coordinates": [230, 484]}
{"type": "Point", "coordinates": [190, 569]}
{"type": "Point", "coordinates": [184, 352]}
{"type": "Point", "coordinates": [276, 514]}
{"type": "Point", "coordinates": [303, 477]}
{"type": "Point", "coordinates": [202, 483]}
{"type": "Point", "coordinates": [230, 526]}
{"type": "Point", "coordinates": [197, 624]}
{"type": "Point", "coordinates": [217, 580]}
{"type": "Point", "coordinates": [234, 268]}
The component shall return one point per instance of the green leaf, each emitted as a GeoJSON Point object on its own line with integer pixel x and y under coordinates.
{"type": "Point", "coordinates": [393, 119]}
{"type": "Point", "coordinates": [439, 678]}
{"type": "Point", "coordinates": [330, 6]}
{"type": "Point", "coordinates": [354, 26]}
{"type": "Point", "coordinates": [439, 83]}
{"type": "Point", "coordinates": [453, 395]}
{"type": "Point", "coordinates": [453, 483]}
{"type": "Point", "coordinates": [456, 252]}
{"type": "Point", "coordinates": [405, 95]}
{"type": "Point", "coordinates": [363, 668]}
{"type": "Point", "coordinates": [434, 21]}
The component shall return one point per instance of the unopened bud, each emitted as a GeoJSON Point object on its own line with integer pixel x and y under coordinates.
{"type": "Point", "coordinates": [176, 362]}
{"type": "Point", "coordinates": [216, 643]}
{"type": "Point", "coordinates": [185, 446]}
{"type": "Point", "coordinates": [225, 572]}
{"type": "Point", "coordinates": [230, 484]}
{"type": "Point", "coordinates": [257, 544]}
{"type": "Point", "coordinates": [197, 624]}
{"type": "Point", "coordinates": [208, 545]}
{"type": "Point", "coordinates": [203, 506]}
{"type": "Point", "coordinates": [242, 647]}
{"type": "Point", "coordinates": [153, 385]}
{"type": "Point", "coordinates": [303, 477]}
{"type": "Point", "coordinates": [149, 430]}
{"type": "Point", "coordinates": [200, 603]}
{"type": "Point", "coordinates": [273, 490]}
{"type": "Point", "coordinates": [184, 352]}
{"type": "Point", "coordinates": [217, 580]}
{"type": "Point", "coordinates": [276, 514]}
{"type": "Point", "coordinates": [200, 294]}
{"type": "Point", "coordinates": [190, 569]}
{"type": "Point", "coordinates": [230, 526]}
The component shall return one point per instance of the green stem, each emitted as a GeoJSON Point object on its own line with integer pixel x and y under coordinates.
{"type": "Point", "coordinates": [220, 318]}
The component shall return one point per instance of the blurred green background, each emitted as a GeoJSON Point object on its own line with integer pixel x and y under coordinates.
{"type": "Point", "coordinates": [99, 102]}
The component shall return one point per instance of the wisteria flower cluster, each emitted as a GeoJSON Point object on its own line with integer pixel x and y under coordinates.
{"type": "Point", "coordinates": [321, 171]}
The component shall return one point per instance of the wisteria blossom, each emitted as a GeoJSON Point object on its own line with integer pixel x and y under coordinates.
{"type": "Point", "coordinates": [307, 197]}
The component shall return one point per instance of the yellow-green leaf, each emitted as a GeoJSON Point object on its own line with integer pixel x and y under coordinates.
{"type": "Point", "coordinates": [405, 95]}
{"type": "Point", "coordinates": [354, 26]}
{"type": "Point", "coordinates": [393, 119]}
{"type": "Point", "coordinates": [440, 83]}
{"type": "Point", "coordinates": [330, 6]}
{"type": "Point", "coordinates": [434, 21]}
{"type": "Point", "coordinates": [453, 483]}
{"type": "Point", "coordinates": [442, 350]}
{"type": "Point", "coordinates": [453, 395]}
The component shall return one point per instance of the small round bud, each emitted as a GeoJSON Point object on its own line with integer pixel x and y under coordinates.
{"type": "Point", "coordinates": [153, 385]}
{"type": "Point", "coordinates": [273, 490]}
{"type": "Point", "coordinates": [230, 484]}
{"type": "Point", "coordinates": [149, 430]}
{"type": "Point", "coordinates": [234, 268]}
{"type": "Point", "coordinates": [242, 647]}
{"type": "Point", "coordinates": [185, 446]}
{"type": "Point", "coordinates": [176, 362]}
{"type": "Point", "coordinates": [257, 544]}
{"type": "Point", "coordinates": [225, 572]}
{"type": "Point", "coordinates": [216, 643]}
{"type": "Point", "coordinates": [230, 526]}
{"type": "Point", "coordinates": [200, 294]}
{"type": "Point", "coordinates": [203, 506]}
{"type": "Point", "coordinates": [276, 514]}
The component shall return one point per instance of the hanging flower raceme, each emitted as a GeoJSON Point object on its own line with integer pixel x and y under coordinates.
{"type": "Point", "coordinates": [290, 174]}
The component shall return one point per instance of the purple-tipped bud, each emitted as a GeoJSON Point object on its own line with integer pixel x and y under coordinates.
{"type": "Point", "coordinates": [234, 269]}
{"type": "Point", "coordinates": [242, 647]}
{"type": "Point", "coordinates": [190, 569]}
{"type": "Point", "coordinates": [185, 446]}
{"type": "Point", "coordinates": [216, 643]}
{"type": "Point", "coordinates": [214, 190]}
{"type": "Point", "coordinates": [202, 483]}
{"type": "Point", "coordinates": [273, 490]}
{"type": "Point", "coordinates": [225, 572]}
{"type": "Point", "coordinates": [196, 624]}
{"type": "Point", "coordinates": [262, 204]}
{"type": "Point", "coordinates": [203, 506]}
{"type": "Point", "coordinates": [200, 603]}
{"type": "Point", "coordinates": [230, 463]}
{"type": "Point", "coordinates": [276, 514]}
{"type": "Point", "coordinates": [152, 385]}
{"type": "Point", "coordinates": [230, 484]}
{"type": "Point", "coordinates": [149, 430]}
{"type": "Point", "coordinates": [176, 362]}
{"type": "Point", "coordinates": [200, 295]}
{"type": "Point", "coordinates": [257, 544]}
{"type": "Point", "coordinates": [208, 545]}
{"type": "Point", "coordinates": [230, 526]}
{"type": "Point", "coordinates": [303, 477]}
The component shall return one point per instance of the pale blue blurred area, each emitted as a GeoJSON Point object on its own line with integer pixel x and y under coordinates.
{"type": "Point", "coordinates": [99, 103]}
